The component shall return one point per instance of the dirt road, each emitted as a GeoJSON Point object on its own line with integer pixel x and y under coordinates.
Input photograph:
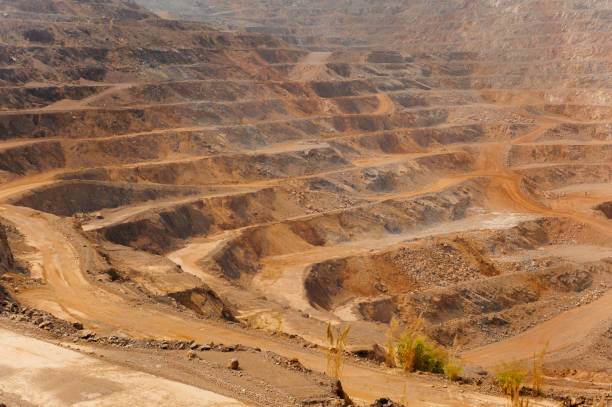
{"type": "Point", "coordinates": [562, 334]}
{"type": "Point", "coordinates": [61, 259]}
{"type": "Point", "coordinates": [69, 294]}
{"type": "Point", "coordinates": [43, 374]}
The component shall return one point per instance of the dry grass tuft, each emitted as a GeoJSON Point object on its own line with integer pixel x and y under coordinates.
{"type": "Point", "coordinates": [510, 377]}
{"type": "Point", "coordinates": [453, 367]}
{"type": "Point", "coordinates": [537, 370]}
{"type": "Point", "coordinates": [392, 338]}
{"type": "Point", "coordinates": [335, 352]}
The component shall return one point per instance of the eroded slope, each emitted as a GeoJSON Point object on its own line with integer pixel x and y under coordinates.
{"type": "Point", "coordinates": [180, 172]}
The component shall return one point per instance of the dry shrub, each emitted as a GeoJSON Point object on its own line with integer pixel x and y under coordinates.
{"type": "Point", "coordinates": [412, 350]}
{"type": "Point", "coordinates": [336, 338]}
{"type": "Point", "coordinates": [392, 338]}
{"type": "Point", "coordinates": [510, 377]}
{"type": "Point", "coordinates": [415, 352]}
{"type": "Point", "coordinates": [453, 367]}
{"type": "Point", "coordinates": [537, 370]}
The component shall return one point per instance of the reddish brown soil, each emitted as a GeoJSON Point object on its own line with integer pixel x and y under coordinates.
{"type": "Point", "coordinates": [165, 179]}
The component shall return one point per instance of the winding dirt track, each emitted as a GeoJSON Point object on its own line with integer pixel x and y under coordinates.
{"type": "Point", "coordinates": [69, 294]}
{"type": "Point", "coordinates": [352, 103]}
{"type": "Point", "coordinates": [62, 259]}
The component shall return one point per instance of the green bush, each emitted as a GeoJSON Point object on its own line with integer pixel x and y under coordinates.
{"type": "Point", "coordinates": [429, 358]}
{"type": "Point", "coordinates": [415, 353]}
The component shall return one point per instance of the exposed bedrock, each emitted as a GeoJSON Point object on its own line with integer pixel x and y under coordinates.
{"type": "Point", "coordinates": [606, 209]}
{"type": "Point", "coordinates": [66, 198]}
{"type": "Point", "coordinates": [7, 262]}
{"type": "Point", "coordinates": [6, 256]}
{"type": "Point", "coordinates": [162, 229]}
{"type": "Point", "coordinates": [241, 258]}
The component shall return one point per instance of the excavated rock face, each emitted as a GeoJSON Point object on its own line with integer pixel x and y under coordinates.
{"type": "Point", "coordinates": [606, 209]}
{"type": "Point", "coordinates": [6, 257]}
{"type": "Point", "coordinates": [204, 301]}
{"type": "Point", "coordinates": [6, 260]}
{"type": "Point", "coordinates": [334, 160]}
{"type": "Point", "coordinates": [42, 36]}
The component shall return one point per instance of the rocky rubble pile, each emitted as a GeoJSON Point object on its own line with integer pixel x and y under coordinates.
{"type": "Point", "coordinates": [39, 319]}
{"type": "Point", "coordinates": [439, 264]}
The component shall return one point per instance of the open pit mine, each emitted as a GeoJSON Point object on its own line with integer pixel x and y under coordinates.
{"type": "Point", "coordinates": [325, 203]}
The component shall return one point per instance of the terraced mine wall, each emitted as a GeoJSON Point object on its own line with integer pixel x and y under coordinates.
{"type": "Point", "coordinates": [235, 175]}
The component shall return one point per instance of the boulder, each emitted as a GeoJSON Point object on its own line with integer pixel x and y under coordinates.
{"type": "Point", "coordinates": [233, 364]}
